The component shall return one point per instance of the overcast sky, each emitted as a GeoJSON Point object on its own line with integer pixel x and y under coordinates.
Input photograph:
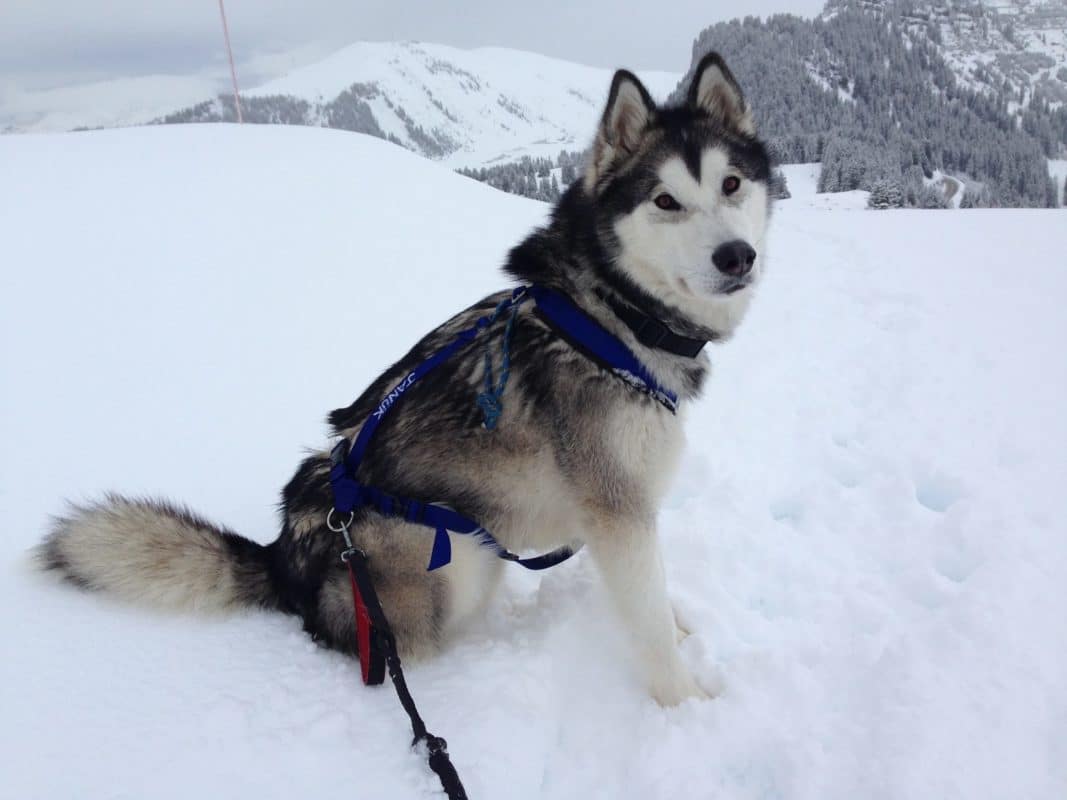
{"type": "Point", "coordinates": [56, 42]}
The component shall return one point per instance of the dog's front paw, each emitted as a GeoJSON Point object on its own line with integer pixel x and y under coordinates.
{"type": "Point", "coordinates": [680, 634]}
{"type": "Point", "coordinates": [676, 687]}
{"type": "Point", "coordinates": [682, 628]}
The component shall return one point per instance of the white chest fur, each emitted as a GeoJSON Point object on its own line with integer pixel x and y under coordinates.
{"type": "Point", "coordinates": [647, 441]}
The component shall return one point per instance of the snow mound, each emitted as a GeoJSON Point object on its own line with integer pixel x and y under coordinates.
{"type": "Point", "coordinates": [866, 537]}
{"type": "Point", "coordinates": [803, 182]}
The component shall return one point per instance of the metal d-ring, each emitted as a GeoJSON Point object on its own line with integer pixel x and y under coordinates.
{"type": "Point", "coordinates": [342, 528]}
{"type": "Point", "coordinates": [348, 552]}
{"type": "Point", "coordinates": [339, 527]}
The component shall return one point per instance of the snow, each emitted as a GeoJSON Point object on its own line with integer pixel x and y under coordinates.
{"type": "Point", "coordinates": [844, 95]}
{"type": "Point", "coordinates": [102, 104]}
{"type": "Point", "coordinates": [803, 180]}
{"type": "Point", "coordinates": [866, 536]}
{"type": "Point", "coordinates": [948, 186]}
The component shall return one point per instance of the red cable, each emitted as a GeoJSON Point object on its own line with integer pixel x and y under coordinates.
{"type": "Point", "coordinates": [363, 643]}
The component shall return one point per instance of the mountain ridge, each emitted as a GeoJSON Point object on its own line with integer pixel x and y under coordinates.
{"type": "Point", "coordinates": [890, 94]}
{"type": "Point", "coordinates": [466, 108]}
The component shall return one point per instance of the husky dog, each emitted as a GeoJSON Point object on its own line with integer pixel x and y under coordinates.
{"type": "Point", "coordinates": [668, 222]}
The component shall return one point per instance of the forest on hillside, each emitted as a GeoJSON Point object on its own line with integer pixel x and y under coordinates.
{"type": "Point", "coordinates": [875, 105]}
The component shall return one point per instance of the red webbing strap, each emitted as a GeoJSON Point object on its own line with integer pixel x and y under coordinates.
{"type": "Point", "coordinates": [371, 659]}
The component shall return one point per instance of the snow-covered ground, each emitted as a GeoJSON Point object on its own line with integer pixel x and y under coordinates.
{"type": "Point", "coordinates": [866, 537]}
{"type": "Point", "coordinates": [803, 181]}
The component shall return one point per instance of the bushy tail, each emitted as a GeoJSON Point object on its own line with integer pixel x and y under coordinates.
{"type": "Point", "coordinates": [156, 554]}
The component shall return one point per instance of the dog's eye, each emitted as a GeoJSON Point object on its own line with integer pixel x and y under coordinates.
{"type": "Point", "coordinates": [731, 184]}
{"type": "Point", "coordinates": [667, 203]}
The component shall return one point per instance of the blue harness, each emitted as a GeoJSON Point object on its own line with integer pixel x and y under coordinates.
{"type": "Point", "coordinates": [567, 319]}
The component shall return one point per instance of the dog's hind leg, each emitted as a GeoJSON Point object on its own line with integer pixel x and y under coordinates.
{"type": "Point", "coordinates": [422, 607]}
{"type": "Point", "coordinates": [414, 604]}
{"type": "Point", "coordinates": [472, 577]}
{"type": "Point", "coordinates": [627, 553]}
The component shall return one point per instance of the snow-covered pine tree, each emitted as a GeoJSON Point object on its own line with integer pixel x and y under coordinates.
{"type": "Point", "coordinates": [886, 193]}
{"type": "Point", "coordinates": [779, 189]}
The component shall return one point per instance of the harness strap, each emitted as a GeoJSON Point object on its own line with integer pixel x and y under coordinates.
{"type": "Point", "coordinates": [598, 343]}
{"type": "Point", "coordinates": [573, 324]}
{"type": "Point", "coordinates": [349, 495]}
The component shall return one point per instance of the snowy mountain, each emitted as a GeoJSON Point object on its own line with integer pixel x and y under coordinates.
{"type": "Point", "coordinates": [1014, 51]}
{"type": "Point", "coordinates": [937, 102]}
{"type": "Point", "coordinates": [865, 537]}
{"type": "Point", "coordinates": [467, 108]}
{"type": "Point", "coordinates": [1017, 47]}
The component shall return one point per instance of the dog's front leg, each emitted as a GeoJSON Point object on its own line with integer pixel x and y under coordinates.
{"type": "Point", "coordinates": [628, 555]}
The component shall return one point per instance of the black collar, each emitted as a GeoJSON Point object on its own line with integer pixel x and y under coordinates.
{"type": "Point", "coordinates": [651, 332]}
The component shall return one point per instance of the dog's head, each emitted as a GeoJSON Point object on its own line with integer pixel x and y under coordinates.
{"type": "Point", "coordinates": [681, 194]}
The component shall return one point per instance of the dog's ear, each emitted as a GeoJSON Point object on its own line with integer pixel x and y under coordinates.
{"type": "Point", "coordinates": [629, 111]}
{"type": "Point", "coordinates": [715, 90]}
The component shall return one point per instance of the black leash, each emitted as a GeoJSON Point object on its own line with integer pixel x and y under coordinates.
{"type": "Point", "coordinates": [382, 646]}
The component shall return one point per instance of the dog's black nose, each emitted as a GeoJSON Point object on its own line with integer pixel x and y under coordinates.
{"type": "Point", "coordinates": [734, 258]}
